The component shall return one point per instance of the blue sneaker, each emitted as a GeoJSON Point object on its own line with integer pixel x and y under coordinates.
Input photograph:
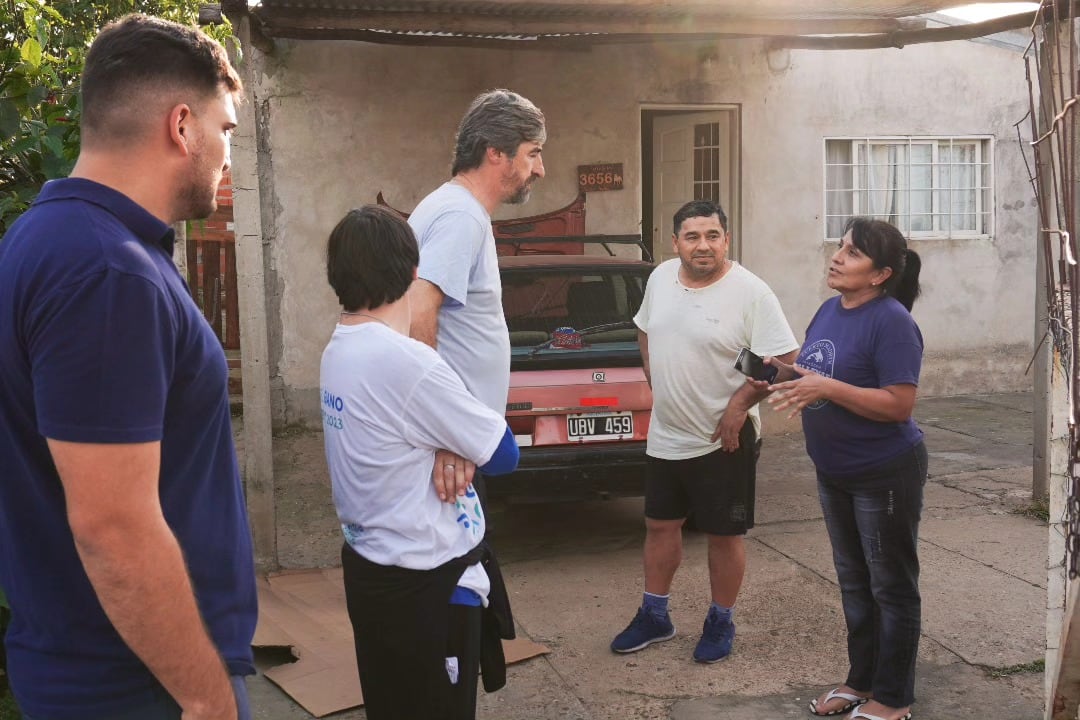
{"type": "Point", "coordinates": [716, 638]}
{"type": "Point", "coordinates": [644, 630]}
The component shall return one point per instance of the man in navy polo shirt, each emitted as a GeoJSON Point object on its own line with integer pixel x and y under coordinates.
{"type": "Point", "coordinates": [124, 545]}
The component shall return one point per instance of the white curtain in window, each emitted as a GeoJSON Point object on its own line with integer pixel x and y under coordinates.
{"type": "Point", "coordinates": [880, 174]}
{"type": "Point", "coordinates": [920, 195]}
{"type": "Point", "coordinates": [958, 180]}
{"type": "Point", "coordinates": [838, 187]}
{"type": "Point", "coordinates": [922, 185]}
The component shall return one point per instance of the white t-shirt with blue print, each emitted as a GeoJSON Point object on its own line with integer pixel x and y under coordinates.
{"type": "Point", "coordinates": [388, 403]}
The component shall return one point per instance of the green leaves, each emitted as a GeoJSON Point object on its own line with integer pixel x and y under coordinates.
{"type": "Point", "coordinates": [31, 53]}
{"type": "Point", "coordinates": [42, 48]}
{"type": "Point", "coordinates": [10, 118]}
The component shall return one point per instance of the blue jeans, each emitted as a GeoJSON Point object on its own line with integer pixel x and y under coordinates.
{"type": "Point", "coordinates": [873, 523]}
{"type": "Point", "coordinates": [163, 707]}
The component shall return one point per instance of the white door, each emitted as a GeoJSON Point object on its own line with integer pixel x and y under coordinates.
{"type": "Point", "coordinates": [692, 160]}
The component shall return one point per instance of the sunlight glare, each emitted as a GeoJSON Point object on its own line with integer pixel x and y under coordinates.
{"type": "Point", "coordinates": [987, 11]}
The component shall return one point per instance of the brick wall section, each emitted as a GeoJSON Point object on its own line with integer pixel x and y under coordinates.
{"type": "Point", "coordinates": [212, 268]}
{"type": "Point", "coordinates": [217, 227]}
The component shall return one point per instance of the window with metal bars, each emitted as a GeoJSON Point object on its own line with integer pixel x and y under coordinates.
{"type": "Point", "coordinates": [928, 187]}
{"type": "Point", "coordinates": [707, 161]}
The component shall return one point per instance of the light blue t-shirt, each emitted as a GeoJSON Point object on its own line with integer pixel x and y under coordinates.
{"type": "Point", "coordinates": [457, 253]}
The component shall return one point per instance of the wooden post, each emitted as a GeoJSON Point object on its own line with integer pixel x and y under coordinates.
{"type": "Point", "coordinates": [1043, 362]}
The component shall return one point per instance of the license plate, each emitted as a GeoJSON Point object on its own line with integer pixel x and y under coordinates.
{"type": "Point", "coordinates": [586, 427]}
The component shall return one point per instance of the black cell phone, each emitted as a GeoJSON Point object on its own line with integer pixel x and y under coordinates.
{"type": "Point", "coordinates": [754, 366]}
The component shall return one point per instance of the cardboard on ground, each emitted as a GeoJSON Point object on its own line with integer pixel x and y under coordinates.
{"type": "Point", "coordinates": [305, 612]}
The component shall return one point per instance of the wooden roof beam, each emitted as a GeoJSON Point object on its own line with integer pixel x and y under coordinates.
{"type": "Point", "coordinates": [287, 22]}
{"type": "Point", "coordinates": [757, 8]}
{"type": "Point", "coordinates": [579, 43]}
{"type": "Point", "coordinates": [385, 38]}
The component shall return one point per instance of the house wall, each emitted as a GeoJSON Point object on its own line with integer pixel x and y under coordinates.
{"type": "Point", "coordinates": [344, 120]}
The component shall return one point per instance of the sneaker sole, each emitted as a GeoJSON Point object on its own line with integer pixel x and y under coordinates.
{"type": "Point", "coordinates": [645, 644]}
{"type": "Point", "coordinates": [710, 662]}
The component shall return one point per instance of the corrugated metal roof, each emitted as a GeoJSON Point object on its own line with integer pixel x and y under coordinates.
{"type": "Point", "coordinates": [743, 9]}
{"type": "Point", "coordinates": [576, 23]}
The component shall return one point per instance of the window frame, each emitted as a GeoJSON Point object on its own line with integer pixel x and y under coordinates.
{"type": "Point", "coordinates": [984, 155]}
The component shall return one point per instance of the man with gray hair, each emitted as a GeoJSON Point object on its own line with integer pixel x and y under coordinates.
{"type": "Point", "coordinates": [457, 298]}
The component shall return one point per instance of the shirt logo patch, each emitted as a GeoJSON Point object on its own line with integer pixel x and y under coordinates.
{"type": "Point", "coordinates": [819, 356]}
{"type": "Point", "coordinates": [470, 516]}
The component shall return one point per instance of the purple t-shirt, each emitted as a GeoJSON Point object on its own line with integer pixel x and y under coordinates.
{"type": "Point", "coordinates": [872, 346]}
{"type": "Point", "coordinates": [100, 342]}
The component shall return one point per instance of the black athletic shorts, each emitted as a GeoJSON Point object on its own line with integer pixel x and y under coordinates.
{"type": "Point", "coordinates": [716, 489]}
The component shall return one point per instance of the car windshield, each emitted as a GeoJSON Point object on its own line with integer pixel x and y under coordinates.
{"type": "Point", "coordinates": [573, 317]}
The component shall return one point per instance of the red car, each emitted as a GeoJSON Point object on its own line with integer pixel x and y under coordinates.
{"type": "Point", "coordinates": [579, 403]}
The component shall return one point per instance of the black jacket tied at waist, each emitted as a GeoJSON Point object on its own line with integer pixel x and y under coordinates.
{"type": "Point", "coordinates": [381, 591]}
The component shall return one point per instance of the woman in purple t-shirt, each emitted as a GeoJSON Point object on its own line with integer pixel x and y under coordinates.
{"type": "Point", "coordinates": [854, 383]}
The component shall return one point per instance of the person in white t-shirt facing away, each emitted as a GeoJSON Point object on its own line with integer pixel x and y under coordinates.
{"type": "Point", "coordinates": [699, 311]}
{"type": "Point", "coordinates": [418, 579]}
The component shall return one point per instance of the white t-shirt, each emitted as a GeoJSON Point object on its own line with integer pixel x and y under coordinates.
{"type": "Point", "coordinates": [388, 403]}
{"type": "Point", "coordinates": [695, 334]}
{"type": "Point", "coordinates": [457, 253]}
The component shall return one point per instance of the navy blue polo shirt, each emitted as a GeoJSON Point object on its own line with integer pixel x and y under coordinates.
{"type": "Point", "coordinates": [100, 342]}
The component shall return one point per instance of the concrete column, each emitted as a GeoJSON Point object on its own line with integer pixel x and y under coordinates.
{"type": "Point", "coordinates": [1058, 487]}
{"type": "Point", "coordinates": [180, 248]}
{"type": "Point", "coordinates": [257, 460]}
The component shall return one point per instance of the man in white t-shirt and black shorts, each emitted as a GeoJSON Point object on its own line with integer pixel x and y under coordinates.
{"type": "Point", "coordinates": [699, 311]}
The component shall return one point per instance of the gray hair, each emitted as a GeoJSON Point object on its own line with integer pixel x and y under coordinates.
{"type": "Point", "coordinates": [498, 119]}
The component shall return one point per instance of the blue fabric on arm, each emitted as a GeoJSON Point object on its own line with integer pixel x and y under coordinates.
{"type": "Point", "coordinates": [506, 456]}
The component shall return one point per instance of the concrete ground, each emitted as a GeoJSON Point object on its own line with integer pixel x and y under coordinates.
{"type": "Point", "coordinates": [574, 571]}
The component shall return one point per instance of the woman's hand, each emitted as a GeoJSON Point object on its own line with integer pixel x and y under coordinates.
{"type": "Point", "coordinates": [451, 475]}
{"type": "Point", "coordinates": [807, 388]}
{"type": "Point", "coordinates": [784, 372]}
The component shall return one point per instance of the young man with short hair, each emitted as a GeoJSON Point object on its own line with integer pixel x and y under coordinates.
{"type": "Point", "coordinates": [124, 543]}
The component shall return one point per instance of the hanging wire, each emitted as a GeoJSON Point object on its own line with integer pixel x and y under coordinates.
{"type": "Point", "coordinates": [1053, 121]}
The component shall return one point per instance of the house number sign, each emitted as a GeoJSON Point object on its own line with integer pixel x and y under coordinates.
{"type": "Point", "coordinates": [593, 178]}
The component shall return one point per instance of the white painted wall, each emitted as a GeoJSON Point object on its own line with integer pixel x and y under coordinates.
{"type": "Point", "coordinates": [346, 119]}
